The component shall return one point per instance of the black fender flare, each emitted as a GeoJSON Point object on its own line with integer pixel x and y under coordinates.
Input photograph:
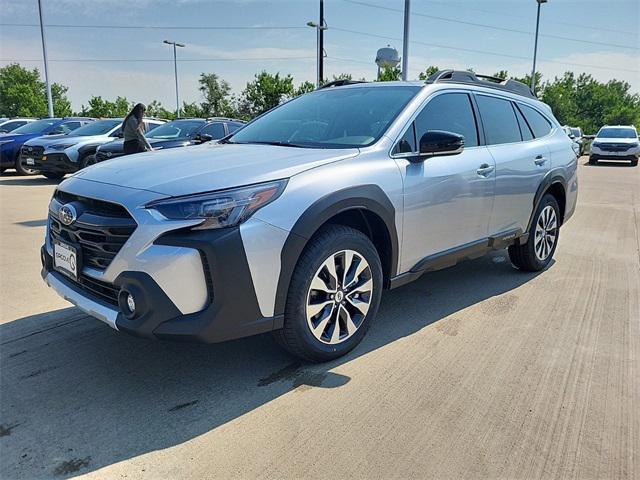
{"type": "Point", "coordinates": [363, 197]}
{"type": "Point", "coordinates": [552, 177]}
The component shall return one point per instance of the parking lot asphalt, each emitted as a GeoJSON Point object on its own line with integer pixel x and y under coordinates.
{"type": "Point", "coordinates": [479, 371]}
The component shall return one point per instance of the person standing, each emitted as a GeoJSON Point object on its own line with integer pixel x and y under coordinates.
{"type": "Point", "coordinates": [133, 131]}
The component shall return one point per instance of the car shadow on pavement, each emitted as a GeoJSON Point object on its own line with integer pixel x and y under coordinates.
{"type": "Point", "coordinates": [78, 396]}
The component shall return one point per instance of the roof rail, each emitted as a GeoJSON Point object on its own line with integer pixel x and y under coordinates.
{"type": "Point", "coordinates": [340, 83]}
{"type": "Point", "coordinates": [471, 78]}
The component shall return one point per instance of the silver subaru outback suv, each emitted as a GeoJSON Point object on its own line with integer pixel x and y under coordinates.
{"type": "Point", "coordinates": [296, 223]}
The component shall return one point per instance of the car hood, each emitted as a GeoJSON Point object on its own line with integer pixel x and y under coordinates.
{"type": "Point", "coordinates": [625, 141]}
{"type": "Point", "coordinates": [209, 167]}
{"type": "Point", "coordinates": [68, 139]}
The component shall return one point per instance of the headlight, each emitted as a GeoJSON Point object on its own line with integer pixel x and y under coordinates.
{"type": "Point", "coordinates": [62, 146]}
{"type": "Point", "coordinates": [2, 142]}
{"type": "Point", "coordinates": [223, 208]}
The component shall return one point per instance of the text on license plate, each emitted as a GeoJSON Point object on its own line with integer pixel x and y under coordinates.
{"type": "Point", "coordinates": [30, 161]}
{"type": "Point", "coordinates": [65, 258]}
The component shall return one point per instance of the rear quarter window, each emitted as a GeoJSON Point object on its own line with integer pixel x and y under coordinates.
{"type": "Point", "coordinates": [541, 126]}
{"type": "Point", "coordinates": [499, 120]}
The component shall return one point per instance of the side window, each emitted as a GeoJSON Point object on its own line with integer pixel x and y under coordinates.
{"type": "Point", "coordinates": [117, 133]}
{"type": "Point", "coordinates": [451, 112]}
{"type": "Point", "coordinates": [499, 120]}
{"type": "Point", "coordinates": [540, 125]}
{"type": "Point", "coordinates": [407, 143]}
{"type": "Point", "coordinates": [524, 126]}
{"type": "Point", "coordinates": [233, 126]}
{"type": "Point", "coordinates": [216, 130]}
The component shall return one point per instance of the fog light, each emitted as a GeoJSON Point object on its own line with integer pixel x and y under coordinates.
{"type": "Point", "coordinates": [131, 303]}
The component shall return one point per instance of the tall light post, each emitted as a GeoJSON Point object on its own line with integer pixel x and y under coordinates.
{"type": "Point", "coordinates": [46, 62]}
{"type": "Point", "coordinates": [320, 27]}
{"type": "Point", "coordinates": [535, 47]}
{"type": "Point", "coordinates": [175, 70]}
{"type": "Point", "coordinates": [405, 40]}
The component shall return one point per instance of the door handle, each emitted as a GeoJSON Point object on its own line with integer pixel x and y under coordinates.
{"type": "Point", "coordinates": [485, 169]}
{"type": "Point", "coordinates": [540, 160]}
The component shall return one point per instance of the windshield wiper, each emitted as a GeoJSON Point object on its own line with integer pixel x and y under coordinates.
{"type": "Point", "coordinates": [274, 142]}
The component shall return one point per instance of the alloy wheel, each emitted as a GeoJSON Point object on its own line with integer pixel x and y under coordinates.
{"type": "Point", "coordinates": [339, 297]}
{"type": "Point", "coordinates": [546, 233]}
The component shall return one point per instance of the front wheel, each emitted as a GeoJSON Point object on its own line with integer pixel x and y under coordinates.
{"type": "Point", "coordinates": [88, 161]}
{"type": "Point", "coordinates": [333, 297]}
{"type": "Point", "coordinates": [22, 169]}
{"type": "Point", "coordinates": [536, 254]}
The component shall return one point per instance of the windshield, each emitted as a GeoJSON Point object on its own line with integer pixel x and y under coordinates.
{"type": "Point", "coordinates": [334, 118]}
{"type": "Point", "coordinates": [177, 129]}
{"type": "Point", "coordinates": [617, 132]}
{"type": "Point", "coordinates": [99, 127]}
{"type": "Point", "coordinates": [37, 126]}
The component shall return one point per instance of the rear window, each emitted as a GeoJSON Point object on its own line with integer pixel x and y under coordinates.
{"type": "Point", "coordinates": [499, 120]}
{"type": "Point", "coordinates": [540, 125]}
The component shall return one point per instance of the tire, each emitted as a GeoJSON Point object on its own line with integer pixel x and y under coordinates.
{"type": "Point", "coordinates": [534, 256]}
{"type": "Point", "coordinates": [88, 161]}
{"type": "Point", "coordinates": [337, 245]}
{"type": "Point", "coordinates": [23, 170]}
{"type": "Point", "coordinates": [634, 163]}
{"type": "Point", "coordinates": [53, 175]}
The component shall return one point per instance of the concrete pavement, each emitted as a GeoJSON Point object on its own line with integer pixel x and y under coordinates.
{"type": "Point", "coordinates": [479, 371]}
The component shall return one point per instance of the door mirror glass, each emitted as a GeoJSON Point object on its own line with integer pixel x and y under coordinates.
{"type": "Point", "coordinates": [440, 143]}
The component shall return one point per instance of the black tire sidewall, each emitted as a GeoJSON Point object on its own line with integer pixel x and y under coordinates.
{"type": "Point", "coordinates": [326, 244]}
{"type": "Point", "coordinates": [21, 170]}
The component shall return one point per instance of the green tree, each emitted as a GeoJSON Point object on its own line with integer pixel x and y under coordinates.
{"type": "Point", "coordinates": [389, 74]}
{"type": "Point", "coordinates": [155, 109]}
{"type": "Point", "coordinates": [193, 110]}
{"type": "Point", "coordinates": [23, 93]}
{"type": "Point", "coordinates": [218, 101]}
{"type": "Point", "coordinates": [305, 87]}
{"type": "Point", "coordinates": [100, 108]}
{"type": "Point", "coordinates": [263, 93]}
{"type": "Point", "coordinates": [430, 70]}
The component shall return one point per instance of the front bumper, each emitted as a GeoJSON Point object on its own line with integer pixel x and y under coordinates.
{"type": "Point", "coordinates": [613, 156]}
{"type": "Point", "coordinates": [230, 311]}
{"type": "Point", "coordinates": [57, 162]}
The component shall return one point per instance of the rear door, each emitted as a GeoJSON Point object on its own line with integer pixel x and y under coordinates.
{"type": "Point", "coordinates": [521, 162]}
{"type": "Point", "coordinates": [447, 200]}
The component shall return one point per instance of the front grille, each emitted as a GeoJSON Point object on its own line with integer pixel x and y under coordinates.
{"type": "Point", "coordinates": [613, 147]}
{"type": "Point", "coordinates": [101, 229]}
{"type": "Point", "coordinates": [32, 152]}
{"type": "Point", "coordinates": [103, 290]}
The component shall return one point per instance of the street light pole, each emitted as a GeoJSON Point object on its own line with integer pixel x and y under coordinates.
{"type": "Point", "coordinates": [405, 40]}
{"type": "Point", "coordinates": [175, 70]}
{"type": "Point", "coordinates": [320, 27]}
{"type": "Point", "coordinates": [46, 62]}
{"type": "Point", "coordinates": [535, 47]}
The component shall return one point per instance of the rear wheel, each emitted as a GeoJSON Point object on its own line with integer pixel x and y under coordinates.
{"type": "Point", "coordinates": [333, 297]}
{"type": "Point", "coordinates": [53, 175]}
{"type": "Point", "coordinates": [593, 161]}
{"type": "Point", "coordinates": [536, 254]}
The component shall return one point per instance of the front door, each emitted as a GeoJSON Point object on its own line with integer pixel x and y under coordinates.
{"type": "Point", "coordinates": [447, 200]}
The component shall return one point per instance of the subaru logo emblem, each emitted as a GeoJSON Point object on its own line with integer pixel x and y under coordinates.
{"type": "Point", "coordinates": [30, 149]}
{"type": "Point", "coordinates": [67, 214]}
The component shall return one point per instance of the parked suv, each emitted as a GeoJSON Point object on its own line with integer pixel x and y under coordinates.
{"type": "Point", "coordinates": [618, 142]}
{"type": "Point", "coordinates": [11, 143]}
{"type": "Point", "coordinates": [54, 157]}
{"type": "Point", "coordinates": [179, 133]}
{"type": "Point", "coordinates": [298, 221]}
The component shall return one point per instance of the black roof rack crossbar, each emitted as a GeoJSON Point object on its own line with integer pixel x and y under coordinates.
{"type": "Point", "coordinates": [340, 83]}
{"type": "Point", "coordinates": [471, 78]}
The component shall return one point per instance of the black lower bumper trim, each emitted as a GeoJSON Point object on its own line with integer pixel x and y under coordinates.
{"type": "Point", "coordinates": [55, 163]}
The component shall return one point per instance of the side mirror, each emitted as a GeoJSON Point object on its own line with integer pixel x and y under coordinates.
{"type": "Point", "coordinates": [55, 132]}
{"type": "Point", "coordinates": [205, 138]}
{"type": "Point", "coordinates": [120, 134]}
{"type": "Point", "coordinates": [440, 143]}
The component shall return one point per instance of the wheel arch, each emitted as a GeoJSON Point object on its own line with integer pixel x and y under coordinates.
{"type": "Point", "coordinates": [555, 184]}
{"type": "Point", "coordinates": [365, 208]}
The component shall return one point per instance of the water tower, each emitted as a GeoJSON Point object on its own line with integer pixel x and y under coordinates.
{"type": "Point", "coordinates": [387, 57]}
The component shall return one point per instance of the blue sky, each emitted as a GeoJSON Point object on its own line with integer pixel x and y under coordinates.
{"type": "Point", "coordinates": [485, 35]}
